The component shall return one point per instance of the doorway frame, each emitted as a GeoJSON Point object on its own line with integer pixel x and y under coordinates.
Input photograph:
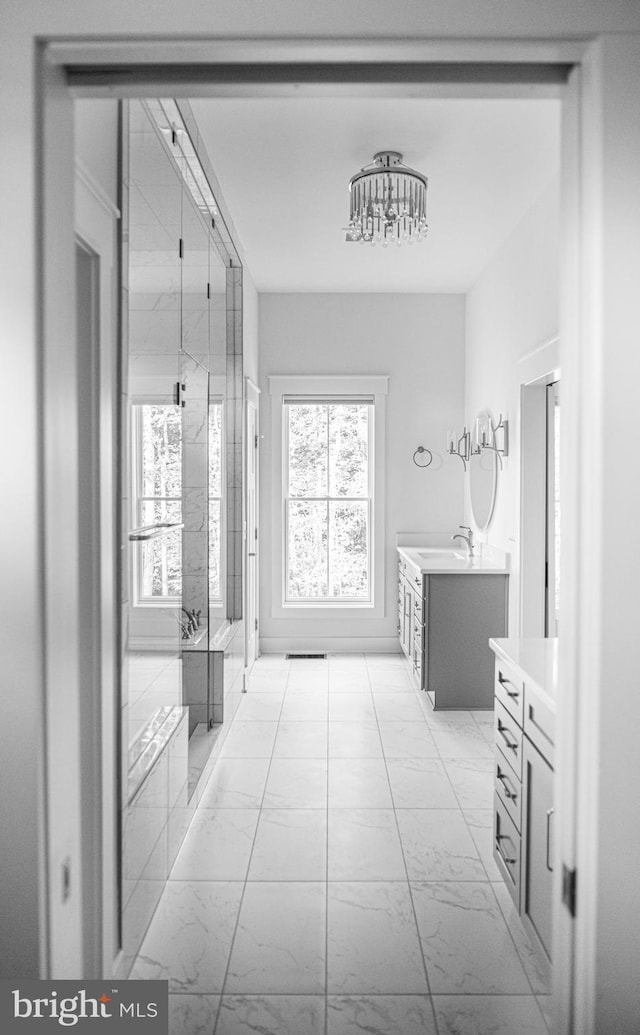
{"type": "Point", "coordinates": [96, 231]}
{"type": "Point", "coordinates": [251, 537]}
{"type": "Point", "coordinates": [57, 87]}
{"type": "Point", "coordinates": [536, 370]}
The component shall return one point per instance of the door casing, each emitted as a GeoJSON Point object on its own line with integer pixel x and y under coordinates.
{"type": "Point", "coordinates": [580, 263]}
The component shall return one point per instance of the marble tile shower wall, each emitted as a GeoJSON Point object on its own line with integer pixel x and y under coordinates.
{"type": "Point", "coordinates": [198, 258]}
{"type": "Point", "coordinates": [151, 312]}
{"type": "Point", "coordinates": [196, 688]}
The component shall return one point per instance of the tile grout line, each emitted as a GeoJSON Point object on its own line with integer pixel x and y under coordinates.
{"type": "Point", "coordinates": [246, 878]}
{"type": "Point", "coordinates": [409, 889]}
{"type": "Point", "coordinates": [442, 761]}
{"type": "Point", "coordinates": [488, 881]}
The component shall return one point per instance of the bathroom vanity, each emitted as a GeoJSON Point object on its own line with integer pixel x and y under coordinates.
{"type": "Point", "coordinates": [449, 606]}
{"type": "Point", "coordinates": [525, 705]}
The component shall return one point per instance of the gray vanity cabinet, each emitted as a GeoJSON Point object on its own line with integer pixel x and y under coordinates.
{"type": "Point", "coordinates": [444, 625]}
{"type": "Point", "coordinates": [463, 612]}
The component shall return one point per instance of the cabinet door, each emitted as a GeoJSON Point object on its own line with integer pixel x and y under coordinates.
{"type": "Point", "coordinates": [405, 617]}
{"type": "Point", "coordinates": [463, 612]}
{"type": "Point", "coordinates": [401, 612]}
{"type": "Point", "coordinates": [537, 848]}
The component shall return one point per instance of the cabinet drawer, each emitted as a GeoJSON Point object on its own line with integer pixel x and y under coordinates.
{"type": "Point", "coordinates": [539, 723]}
{"type": "Point", "coordinates": [418, 633]}
{"type": "Point", "coordinates": [413, 576]}
{"type": "Point", "coordinates": [506, 849]}
{"type": "Point", "coordinates": [508, 738]}
{"type": "Point", "coordinates": [509, 690]}
{"type": "Point", "coordinates": [509, 790]}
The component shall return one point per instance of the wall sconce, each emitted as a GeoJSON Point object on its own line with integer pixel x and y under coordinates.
{"type": "Point", "coordinates": [459, 446]}
{"type": "Point", "coordinates": [488, 435]}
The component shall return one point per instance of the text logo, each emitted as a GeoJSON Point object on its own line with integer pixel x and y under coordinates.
{"type": "Point", "coordinates": [97, 1006]}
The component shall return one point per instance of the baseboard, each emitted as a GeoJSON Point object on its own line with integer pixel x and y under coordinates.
{"type": "Point", "coordinates": [329, 645]}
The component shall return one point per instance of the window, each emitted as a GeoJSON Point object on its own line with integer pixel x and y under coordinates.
{"type": "Point", "coordinates": [158, 483]}
{"type": "Point", "coordinates": [157, 478]}
{"type": "Point", "coordinates": [328, 487]}
{"type": "Point", "coordinates": [326, 554]}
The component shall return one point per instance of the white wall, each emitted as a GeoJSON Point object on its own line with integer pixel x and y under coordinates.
{"type": "Point", "coordinates": [419, 341]}
{"type": "Point", "coordinates": [96, 132]}
{"type": "Point", "coordinates": [511, 309]}
{"type": "Point", "coordinates": [249, 327]}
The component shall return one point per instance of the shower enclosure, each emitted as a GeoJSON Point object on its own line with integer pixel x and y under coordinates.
{"type": "Point", "coordinates": [181, 496]}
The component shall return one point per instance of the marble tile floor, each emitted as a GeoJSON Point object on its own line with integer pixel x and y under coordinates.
{"type": "Point", "coordinates": [338, 875]}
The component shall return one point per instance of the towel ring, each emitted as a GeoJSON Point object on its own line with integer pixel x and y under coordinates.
{"type": "Point", "coordinates": [423, 449]}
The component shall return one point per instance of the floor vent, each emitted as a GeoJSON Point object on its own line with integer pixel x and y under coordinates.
{"type": "Point", "coordinates": [305, 657]}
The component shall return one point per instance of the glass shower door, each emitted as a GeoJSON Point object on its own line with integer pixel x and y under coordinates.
{"type": "Point", "coordinates": [154, 751]}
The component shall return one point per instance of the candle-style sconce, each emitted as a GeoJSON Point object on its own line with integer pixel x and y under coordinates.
{"type": "Point", "coordinates": [459, 446]}
{"type": "Point", "coordinates": [488, 435]}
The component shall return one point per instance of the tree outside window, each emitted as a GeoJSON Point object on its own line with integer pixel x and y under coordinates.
{"type": "Point", "coordinates": [158, 499]}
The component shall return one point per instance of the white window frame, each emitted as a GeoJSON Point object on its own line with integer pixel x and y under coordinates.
{"type": "Point", "coordinates": [369, 497]}
{"type": "Point", "coordinates": [371, 388]}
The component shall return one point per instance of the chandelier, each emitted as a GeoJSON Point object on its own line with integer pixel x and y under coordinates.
{"type": "Point", "coordinates": [388, 202]}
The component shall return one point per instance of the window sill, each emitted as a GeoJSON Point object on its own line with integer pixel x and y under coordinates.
{"type": "Point", "coordinates": [328, 605]}
{"type": "Point", "coordinates": [327, 612]}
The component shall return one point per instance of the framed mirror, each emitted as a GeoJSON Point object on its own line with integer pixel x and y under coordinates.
{"type": "Point", "coordinates": [483, 471]}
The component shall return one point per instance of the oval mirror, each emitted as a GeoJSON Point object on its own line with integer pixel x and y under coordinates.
{"type": "Point", "coordinates": [483, 473]}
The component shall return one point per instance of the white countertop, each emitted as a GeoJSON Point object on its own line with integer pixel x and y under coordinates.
{"type": "Point", "coordinates": [536, 659]}
{"type": "Point", "coordinates": [453, 560]}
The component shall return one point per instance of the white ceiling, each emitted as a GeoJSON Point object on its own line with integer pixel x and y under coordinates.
{"type": "Point", "coordinates": [284, 165]}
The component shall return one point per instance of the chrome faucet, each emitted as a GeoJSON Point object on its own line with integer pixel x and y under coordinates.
{"type": "Point", "coordinates": [467, 538]}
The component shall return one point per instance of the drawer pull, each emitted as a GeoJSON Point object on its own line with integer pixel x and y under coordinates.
{"type": "Point", "coordinates": [417, 581]}
{"type": "Point", "coordinates": [505, 858]}
{"type": "Point", "coordinates": [506, 683]}
{"type": "Point", "coordinates": [534, 722]}
{"type": "Point", "coordinates": [550, 813]}
{"type": "Point", "coordinates": [504, 780]}
{"type": "Point", "coordinates": [511, 744]}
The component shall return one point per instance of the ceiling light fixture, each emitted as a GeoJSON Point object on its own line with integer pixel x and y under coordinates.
{"type": "Point", "coordinates": [388, 202]}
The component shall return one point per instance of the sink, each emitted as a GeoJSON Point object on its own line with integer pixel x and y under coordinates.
{"type": "Point", "coordinates": [434, 552]}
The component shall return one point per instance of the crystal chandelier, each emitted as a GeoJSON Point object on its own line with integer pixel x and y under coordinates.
{"type": "Point", "coordinates": [388, 202]}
